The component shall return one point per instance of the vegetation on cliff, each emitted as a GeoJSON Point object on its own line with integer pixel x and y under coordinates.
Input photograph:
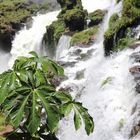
{"type": "Point", "coordinates": [96, 17]}
{"type": "Point", "coordinates": [72, 18]}
{"type": "Point", "coordinates": [12, 14]}
{"type": "Point", "coordinates": [129, 18]}
{"type": "Point", "coordinates": [84, 37]}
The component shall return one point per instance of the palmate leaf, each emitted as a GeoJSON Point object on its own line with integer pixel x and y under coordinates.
{"type": "Point", "coordinates": [53, 116]}
{"type": "Point", "coordinates": [25, 91]}
{"type": "Point", "coordinates": [3, 95]}
{"type": "Point", "coordinates": [79, 113]}
{"type": "Point", "coordinates": [77, 120]}
{"type": "Point", "coordinates": [34, 54]}
{"type": "Point", "coordinates": [8, 83]}
{"type": "Point", "coordinates": [88, 120]}
{"type": "Point", "coordinates": [34, 118]}
{"type": "Point", "coordinates": [19, 114]}
{"type": "Point", "coordinates": [39, 78]}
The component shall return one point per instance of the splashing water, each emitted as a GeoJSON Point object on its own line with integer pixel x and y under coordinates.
{"type": "Point", "coordinates": [96, 4]}
{"type": "Point", "coordinates": [103, 85]}
{"type": "Point", "coordinates": [28, 40]}
{"type": "Point", "coordinates": [106, 88]}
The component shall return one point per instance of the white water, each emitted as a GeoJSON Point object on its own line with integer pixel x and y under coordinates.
{"type": "Point", "coordinates": [62, 47]}
{"type": "Point", "coordinates": [28, 40]}
{"type": "Point", "coordinates": [92, 5]}
{"type": "Point", "coordinates": [109, 104]}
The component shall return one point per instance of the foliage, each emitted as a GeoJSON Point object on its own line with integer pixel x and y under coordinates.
{"type": "Point", "coordinates": [75, 19]}
{"type": "Point", "coordinates": [84, 37]}
{"type": "Point", "coordinates": [97, 16]}
{"type": "Point", "coordinates": [31, 102]}
{"type": "Point", "coordinates": [106, 81]}
{"type": "Point", "coordinates": [54, 32]}
{"type": "Point", "coordinates": [130, 17]}
{"type": "Point", "coordinates": [13, 12]}
{"type": "Point", "coordinates": [124, 43]}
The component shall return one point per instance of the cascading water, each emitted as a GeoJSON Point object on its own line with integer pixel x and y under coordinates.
{"type": "Point", "coordinates": [103, 85]}
{"type": "Point", "coordinates": [28, 40]}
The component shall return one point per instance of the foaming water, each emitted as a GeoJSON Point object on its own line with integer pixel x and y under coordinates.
{"type": "Point", "coordinates": [4, 58]}
{"type": "Point", "coordinates": [63, 46]}
{"type": "Point", "coordinates": [105, 87]}
{"type": "Point", "coordinates": [28, 40]}
{"type": "Point", "coordinates": [92, 5]}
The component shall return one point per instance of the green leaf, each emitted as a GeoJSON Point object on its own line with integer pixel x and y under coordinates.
{"type": "Point", "coordinates": [34, 119]}
{"type": "Point", "coordinates": [39, 78]}
{"type": "Point", "coordinates": [66, 108]}
{"type": "Point", "coordinates": [63, 97]}
{"type": "Point", "coordinates": [59, 69]}
{"type": "Point", "coordinates": [88, 120]}
{"type": "Point", "coordinates": [33, 54]}
{"type": "Point", "coordinates": [77, 120]}
{"type": "Point", "coordinates": [19, 114]}
{"type": "Point", "coordinates": [3, 95]}
{"type": "Point", "coordinates": [53, 116]}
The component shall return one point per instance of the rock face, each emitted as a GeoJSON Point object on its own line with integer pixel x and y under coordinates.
{"type": "Point", "coordinates": [129, 19]}
{"type": "Point", "coordinates": [12, 15]}
{"type": "Point", "coordinates": [135, 70]}
{"type": "Point", "coordinates": [96, 17]}
{"type": "Point", "coordinates": [75, 19]}
{"type": "Point", "coordinates": [73, 14]}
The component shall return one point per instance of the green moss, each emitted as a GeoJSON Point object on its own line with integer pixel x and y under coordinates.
{"type": "Point", "coordinates": [123, 43]}
{"type": "Point", "coordinates": [83, 37]}
{"type": "Point", "coordinates": [97, 16]}
{"type": "Point", "coordinates": [54, 32]}
{"type": "Point", "coordinates": [118, 26]}
{"type": "Point", "coordinates": [106, 81]}
{"type": "Point", "coordinates": [14, 12]}
{"type": "Point", "coordinates": [74, 19]}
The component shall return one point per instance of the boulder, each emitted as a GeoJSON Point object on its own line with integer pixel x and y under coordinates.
{"type": "Point", "coordinates": [75, 19]}
{"type": "Point", "coordinates": [96, 17]}
{"type": "Point", "coordinates": [134, 46]}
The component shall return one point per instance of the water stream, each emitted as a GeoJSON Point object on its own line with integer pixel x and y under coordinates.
{"type": "Point", "coordinates": [103, 85]}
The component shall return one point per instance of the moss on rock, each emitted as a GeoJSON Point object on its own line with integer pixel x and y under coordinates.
{"type": "Point", "coordinates": [130, 17]}
{"type": "Point", "coordinates": [84, 37]}
{"type": "Point", "coordinates": [96, 17]}
{"type": "Point", "coordinates": [54, 32]}
{"type": "Point", "coordinates": [75, 19]}
{"type": "Point", "coordinates": [12, 14]}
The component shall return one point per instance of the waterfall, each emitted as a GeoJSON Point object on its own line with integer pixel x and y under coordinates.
{"type": "Point", "coordinates": [62, 47]}
{"type": "Point", "coordinates": [30, 39]}
{"type": "Point", "coordinates": [94, 5]}
{"type": "Point", "coordinates": [103, 85]}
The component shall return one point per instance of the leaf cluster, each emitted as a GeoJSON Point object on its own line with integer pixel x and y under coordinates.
{"type": "Point", "coordinates": [31, 103]}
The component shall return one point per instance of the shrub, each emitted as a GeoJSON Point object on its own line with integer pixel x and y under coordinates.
{"type": "Point", "coordinates": [26, 90]}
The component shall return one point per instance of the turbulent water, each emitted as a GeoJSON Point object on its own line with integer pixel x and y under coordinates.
{"type": "Point", "coordinates": [103, 85]}
{"type": "Point", "coordinates": [30, 39]}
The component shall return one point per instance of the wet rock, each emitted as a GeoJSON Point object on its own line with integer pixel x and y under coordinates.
{"type": "Point", "coordinates": [134, 46]}
{"type": "Point", "coordinates": [80, 75]}
{"type": "Point", "coordinates": [135, 69]}
{"type": "Point", "coordinates": [67, 64]}
{"type": "Point", "coordinates": [135, 130]}
{"type": "Point", "coordinates": [96, 17]}
{"type": "Point", "coordinates": [136, 56]}
{"type": "Point", "coordinates": [85, 56]}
